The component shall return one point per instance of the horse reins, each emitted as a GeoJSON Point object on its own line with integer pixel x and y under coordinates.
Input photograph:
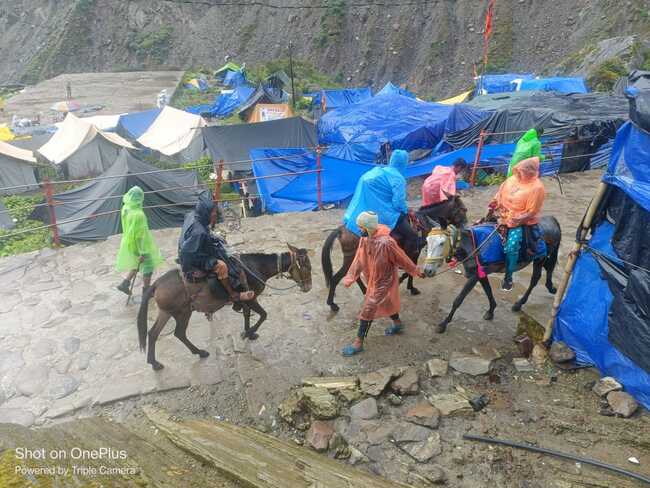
{"type": "Point", "coordinates": [280, 273]}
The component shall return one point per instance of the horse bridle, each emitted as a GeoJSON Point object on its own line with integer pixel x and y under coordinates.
{"type": "Point", "coordinates": [294, 265]}
{"type": "Point", "coordinates": [450, 245]}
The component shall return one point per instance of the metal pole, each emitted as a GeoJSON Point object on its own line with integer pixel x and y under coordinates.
{"type": "Point", "coordinates": [293, 91]}
{"type": "Point", "coordinates": [49, 194]}
{"type": "Point", "coordinates": [219, 182]}
{"type": "Point", "coordinates": [477, 159]}
{"type": "Point", "coordinates": [319, 190]}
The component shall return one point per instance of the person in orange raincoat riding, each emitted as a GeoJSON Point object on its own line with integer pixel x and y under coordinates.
{"type": "Point", "coordinates": [518, 203]}
{"type": "Point", "coordinates": [378, 260]}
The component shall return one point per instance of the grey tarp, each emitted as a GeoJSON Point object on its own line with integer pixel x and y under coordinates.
{"type": "Point", "coordinates": [6, 222]}
{"type": "Point", "coordinates": [234, 142]}
{"type": "Point", "coordinates": [638, 79]}
{"type": "Point", "coordinates": [262, 94]}
{"type": "Point", "coordinates": [16, 170]}
{"type": "Point", "coordinates": [105, 195]}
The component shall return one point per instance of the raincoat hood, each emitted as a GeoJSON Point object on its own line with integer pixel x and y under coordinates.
{"type": "Point", "coordinates": [529, 135]}
{"type": "Point", "coordinates": [204, 208]}
{"type": "Point", "coordinates": [527, 170]}
{"type": "Point", "coordinates": [399, 160]}
{"type": "Point", "coordinates": [134, 198]}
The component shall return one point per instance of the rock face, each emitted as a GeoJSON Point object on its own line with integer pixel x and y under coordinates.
{"type": "Point", "coordinates": [472, 365]}
{"type": "Point", "coordinates": [424, 414]}
{"type": "Point", "coordinates": [32, 380]}
{"type": "Point", "coordinates": [450, 404]}
{"type": "Point", "coordinates": [606, 385]}
{"type": "Point", "coordinates": [319, 435]}
{"type": "Point", "coordinates": [407, 384]}
{"type": "Point", "coordinates": [437, 367]}
{"type": "Point", "coordinates": [365, 410]}
{"type": "Point", "coordinates": [622, 403]}
{"type": "Point", "coordinates": [561, 353]}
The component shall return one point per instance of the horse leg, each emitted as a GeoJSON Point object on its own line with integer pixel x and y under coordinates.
{"type": "Point", "coordinates": [485, 283]}
{"type": "Point", "coordinates": [469, 285]}
{"type": "Point", "coordinates": [161, 321]}
{"type": "Point", "coordinates": [246, 311]}
{"type": "Point", "coordinates": [362, 286]}
{"type": "Point", "coordinates": [182, 321]}
{"type": "Point", "coordinates": [549, 266]}
{"type": "Point", "coordinates": [537, 274]}
{"type": "Point", "coordinates": [257, 308]}
{"type": "Point", "coordinates": [340, 274]}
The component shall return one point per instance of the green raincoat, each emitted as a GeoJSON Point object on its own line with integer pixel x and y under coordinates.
{"type": "Point", "coordinates": [527, 147]}
{"type": "Point", "coordinates": [136, 239]}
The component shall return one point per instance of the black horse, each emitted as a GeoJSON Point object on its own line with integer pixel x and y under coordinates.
{"type": "Point", "coordinates": [441, 244]}
{"type": "Point", "coordinates": [452, 211]}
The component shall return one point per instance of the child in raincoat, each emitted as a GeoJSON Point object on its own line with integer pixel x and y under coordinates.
{"type": "Point", "coordinates": [138, 251]}
{"type": "Point", "coordinates": [378, 260]}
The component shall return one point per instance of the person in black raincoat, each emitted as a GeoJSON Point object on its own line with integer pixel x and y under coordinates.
{"type": "Point", "coordinates": [201, 253]}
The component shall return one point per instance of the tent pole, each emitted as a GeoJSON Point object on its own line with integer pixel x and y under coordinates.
{"type": "Point", "coordinates": [217, 187]}
{"type": "Point", "coordinates": [293, 92]}
{"type": "Point", "coordinates": [47, 187]}
{"type": "Point", "coordinates": [573, 257]}
{"type": "Point", "coordinates": [319, 189]}
{"type": "Point", "coordinates": [477, 159]}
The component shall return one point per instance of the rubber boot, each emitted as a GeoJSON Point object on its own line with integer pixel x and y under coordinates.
{"type": "Point", "coordinates": [124, 287]}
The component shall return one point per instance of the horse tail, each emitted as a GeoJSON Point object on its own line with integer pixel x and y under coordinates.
{"type": "Point", "coordinates": [326, 255]}
{"type": "Point", "coordinates": [143, 316]}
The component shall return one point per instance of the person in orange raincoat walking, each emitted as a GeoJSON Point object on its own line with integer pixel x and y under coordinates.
{"type": "Point", "coordinates": [378, 260]}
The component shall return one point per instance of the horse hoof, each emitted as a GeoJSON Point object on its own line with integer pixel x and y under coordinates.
{"type": "Point", "coordinates": [441, 328]}
{"type": "Point", "coordinates": [415, 291]}
{"type": "Point", "coordinates": [552, 290]}
{"type": "Point", "coordinates": [203, 354]}
{"type": "Point", "coordinates": [157, 366]}
{"type": "Point", "coordinates": [516, 307]}
{"type": "Point", "coordinates": [488, 315]}
{"type": "Point", "coordinates": [334, 307]}
{"type": "Point", "coordinates": [253, 336]}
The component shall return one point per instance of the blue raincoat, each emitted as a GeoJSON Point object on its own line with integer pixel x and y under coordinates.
{"type": "Point", "coordinates": [381, 190]}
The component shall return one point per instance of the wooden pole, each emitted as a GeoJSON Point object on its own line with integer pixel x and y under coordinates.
{"type": "Point", "coordinates": [477, 159]}
{"type": "Point", "coordinates": [573, 257]}
{"type": "Point", "coordinates": [219, 182]}
{"type": "Point", "coordinates": [49, 197]}
{"type": "Point", "coordinates": [319, 189]}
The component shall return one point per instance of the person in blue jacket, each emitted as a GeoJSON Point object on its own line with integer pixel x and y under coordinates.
{"type": "Point", "coordinates": [383, 190]}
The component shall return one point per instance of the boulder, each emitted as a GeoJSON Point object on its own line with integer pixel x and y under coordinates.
{"type": "Point", "coordinates": [407, 384]}
{"type": "Point", "coordinates": [410, 433]}
{"type": "Point", "coordinates": [319, 435]}
{"type": "Point", "coordinates": [622, 403]}
{"type": "Point", "coordinates": [437, 367]}
{"type": "Point", "coordinates": [365, 410]}
{"type": "Point", "coordinates": [375, 383]}
{"type": "Point", "coordinates": [561, 353]}
{"type": "Point", "coordinates": [451, 404]}
{"type": "Point", "coordinates": [472, 365]}
{"type": "Point", "coordinates": [606, 385]}
{"type": "Point", "coordinates": [320, 402]}
{"type": "Point", "coordinates": [424, 414]}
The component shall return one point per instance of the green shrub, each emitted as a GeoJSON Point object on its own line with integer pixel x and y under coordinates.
{"type": "Point", "coordinates": [20, 208]}
{"type": "Point", "coordinates": [604, 76]}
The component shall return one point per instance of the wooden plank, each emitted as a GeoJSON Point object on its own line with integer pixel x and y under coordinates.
{"type": "Point", "coordinates": [332, 383]}
{"type": "Point", "coordinates": [259, 460]}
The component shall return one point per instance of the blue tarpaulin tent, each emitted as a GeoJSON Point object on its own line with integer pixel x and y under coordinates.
{"type": "Point", "coordinates": [337, 98]}
{"type": "Point", "coordinates": [558, 84]}
{"type": "Point", "coordinates": [133, 125]}
{"type": "Point", "coordinates": [390, 89]}
{"type": "Point", "coordinates": [604, 314]}
{"type": "Point", "coordinates": [234, 78]}
{"type": "Point", "coordinates": [499, 83]}
{"type": "Point", "coordinates": [357, 132]}
{"type": "Point", "coordinates": [225, 104]}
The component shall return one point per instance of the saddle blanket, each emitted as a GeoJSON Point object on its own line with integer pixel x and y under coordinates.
{"type": "Point", "coordinates": [492, 251]}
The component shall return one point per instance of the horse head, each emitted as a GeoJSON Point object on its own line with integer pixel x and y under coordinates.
{"type": "Point", "coordinates": [300, 267]}
{"type": "Point", "coordinates": [441, 244]}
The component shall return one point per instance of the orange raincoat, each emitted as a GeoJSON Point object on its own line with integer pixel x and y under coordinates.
{"type": "Point", "coordinates": [439, 186]}
{"type": "Point", "coordinates": [521, 197]}
{"type": "Point", "coordinates": [378, 259]}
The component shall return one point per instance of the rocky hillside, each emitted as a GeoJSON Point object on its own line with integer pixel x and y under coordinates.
{"type": "Point", "coordinates": [432, 46]}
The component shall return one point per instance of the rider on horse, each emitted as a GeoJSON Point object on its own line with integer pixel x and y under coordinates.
{"type": "Point", "coordinates": [383, 190]}
{"type": "Point", "coordinates": [203, 255]}
{"type": "Point", "coordinates": [440, 186]}
{"type": "Point", "coordinates": [518, 203]}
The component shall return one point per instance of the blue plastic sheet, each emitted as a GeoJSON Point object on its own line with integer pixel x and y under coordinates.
{"type": "Point", "coordinates": [390, 89]}
{"type": "Point", "coordinates": [225, 104]}
{"type": "Point", "coordinates": [340, 97]}
{"type": "Point", "coordinates": [357, 132]}
{"type": "Point", "coordinates": [234, 78]}
{"type": "Point", "coordinates": [500, 83]}
{"type": "Point", "coordinates": [629, 166]}
{"type": "Point", "coordinates": [135, 124]}
{"type": "Point", "coordinates": [558, 84]}
{"type": "Point", "coordinates": [582, 321]}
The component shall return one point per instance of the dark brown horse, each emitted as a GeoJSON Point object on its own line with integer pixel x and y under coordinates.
{"type": "Point", "coordinates": [178, 299]}
{"type": "Point", "coordinates": [452, 211]}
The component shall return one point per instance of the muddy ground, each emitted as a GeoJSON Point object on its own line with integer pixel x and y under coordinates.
{"type": "Point", "coordinates": [245, 381]}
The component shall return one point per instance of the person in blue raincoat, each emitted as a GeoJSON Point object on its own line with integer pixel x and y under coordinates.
{"type": "Point", "coordinates": [383, 190]}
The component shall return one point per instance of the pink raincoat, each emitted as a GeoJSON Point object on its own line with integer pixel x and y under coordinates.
{"type": "Point", "coordinates": [440, 186]}
{"type": "Point", "coordinates": [378, 260]}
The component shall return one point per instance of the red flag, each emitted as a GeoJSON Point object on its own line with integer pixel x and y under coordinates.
{"type": "Point", "coordinates": [488, 20]}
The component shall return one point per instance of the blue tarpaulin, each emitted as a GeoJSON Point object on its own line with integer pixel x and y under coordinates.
{"type": "Point", "coordinates": [499, 83]}
{"type": "Point", "coordinates": [234, 78]}
{"type": "Point", "coordinates": [135, 124]}
{"type": "Point", "coordinates": [357, 132]}
{"type": "Point", "coordinates": [558, 84]}
{"type": "Point", "coordinates": [225, 104]}
{"type": "Point", "coordinates": [340, 97]}
{"type": "Point", "coordinates": [390, 89]}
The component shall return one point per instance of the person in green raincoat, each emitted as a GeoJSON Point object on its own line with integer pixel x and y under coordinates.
{"type": "Point", "coordinates": [527, 147]}
{"type": "Point", "coordinates": [138, 251]}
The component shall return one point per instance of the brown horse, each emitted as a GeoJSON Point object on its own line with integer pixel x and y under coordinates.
{"type": "Point", "coordinates": [451, 211]}
{"type": "Point", "coordinates": [177, 298]}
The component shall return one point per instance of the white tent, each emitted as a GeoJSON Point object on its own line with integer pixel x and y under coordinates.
{"type": "Point", "coordinates": [103, 122]}
{"type": "Point", "coordinates": [82, 150]}
{"type": "Point", "coordinates": [16, 169]}
{"type": "Point", "coordinates": [175, 134]}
